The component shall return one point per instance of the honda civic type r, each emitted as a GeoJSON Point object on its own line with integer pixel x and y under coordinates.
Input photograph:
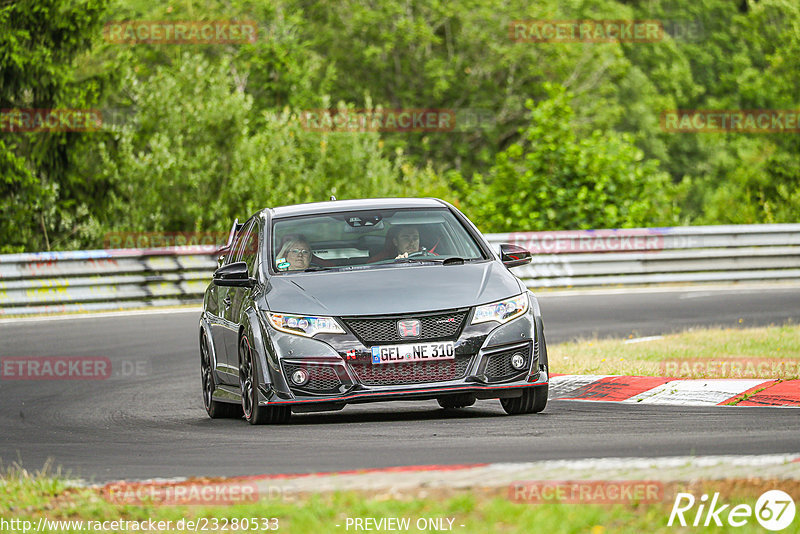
{"type": "Point", "coordinates": [320, 305]}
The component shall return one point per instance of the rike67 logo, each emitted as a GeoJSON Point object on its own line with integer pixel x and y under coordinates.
{"type": "Point", "coordinates": [774, 510]}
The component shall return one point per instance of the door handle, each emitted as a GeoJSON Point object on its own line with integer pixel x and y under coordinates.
{"type": "Point", "coordinates": [227, 302]}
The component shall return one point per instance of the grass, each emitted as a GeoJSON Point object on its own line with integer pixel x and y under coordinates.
{"type": "Point", "coordinates": [28, 497]}
{"type": "Point", "coordinates": [699, 353]}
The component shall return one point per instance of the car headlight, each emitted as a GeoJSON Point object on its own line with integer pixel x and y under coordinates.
{"type": "Point", "coordinates": [304, 325]}
{"type": "Point", "coordinates": [501, 311]}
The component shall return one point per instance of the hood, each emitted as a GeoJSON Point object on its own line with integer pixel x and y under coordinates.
{"type": "Point", "coordinates": [392, 290]}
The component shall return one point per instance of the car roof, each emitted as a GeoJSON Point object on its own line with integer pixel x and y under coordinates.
{"type": "Point", "coordinates": [337, 206]}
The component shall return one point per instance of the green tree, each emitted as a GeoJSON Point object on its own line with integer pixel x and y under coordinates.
{"type": "Point", "coordinates": [208, 156]}
{"type": "Point", "coordinates": [554, 179]}
{"type": "Point", "coordinates": [40, 41]}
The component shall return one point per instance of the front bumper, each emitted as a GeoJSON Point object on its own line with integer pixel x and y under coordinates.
{"type": "Point", "coordinates": [427, 392]}
{"type": "Point", "coordinates": [340, 370]}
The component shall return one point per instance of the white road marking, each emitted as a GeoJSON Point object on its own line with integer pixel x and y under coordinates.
{"type": "Point", "coordinates": [642, 339]}
{"type": "Point", "coordinates": [695, 392]}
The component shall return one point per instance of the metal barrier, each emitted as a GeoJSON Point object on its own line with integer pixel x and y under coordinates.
{"type": "Point", "coordinates": [49, 282]}
{"type": "Point", "coordinates": [658, 255]}
{"type": "Point", "coordinates": [92, 280]}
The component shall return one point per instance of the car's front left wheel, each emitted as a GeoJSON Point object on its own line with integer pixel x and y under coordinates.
{"type": "Point", "coordinates": [248, 380]}
{"type": "Point", "coordinates": [532, 400]}
{"type": "Point", "coordinates": [215, 409]}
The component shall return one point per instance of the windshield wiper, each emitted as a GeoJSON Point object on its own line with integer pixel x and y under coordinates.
{"type": "Point", "coordinates": [452, 260]}
{"type": "Point", "coordinates": [415, 260]}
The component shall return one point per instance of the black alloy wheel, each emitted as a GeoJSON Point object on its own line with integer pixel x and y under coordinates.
{"type": "Point", "coordinates": [255, 414]}
{"type": "Point", "coordinates": [214, 409]}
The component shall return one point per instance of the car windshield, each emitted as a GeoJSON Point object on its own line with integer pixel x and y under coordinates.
{"type": "Point", "coordinates": [365, 239]}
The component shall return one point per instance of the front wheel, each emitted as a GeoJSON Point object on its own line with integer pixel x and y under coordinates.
{"type": "Point", "coordinates": [532, 400]}
{"type": "Point", "coordinates": [215, 409]}
{"type": "Point", "coordinates": [248, 380]}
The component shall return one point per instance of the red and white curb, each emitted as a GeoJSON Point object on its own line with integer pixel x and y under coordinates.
{"type": "Point", "coordinates": [422, 479]}
{"type": "Point", "coordinates": [676, 391]}
{"type": "Point", "coordinates": [500, 475]}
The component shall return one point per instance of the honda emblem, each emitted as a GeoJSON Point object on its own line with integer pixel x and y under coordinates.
{"type": "Point", "coordinates": [408, 328]}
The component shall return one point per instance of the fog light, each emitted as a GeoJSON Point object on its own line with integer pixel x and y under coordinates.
{"type": "Point", "coordinates": [300, 377]}
{"type": "Point", "coordinates": [518, 361]}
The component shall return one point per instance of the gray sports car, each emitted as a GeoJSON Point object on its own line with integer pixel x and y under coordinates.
{"type": "Point", "coordinates": [315, 306]}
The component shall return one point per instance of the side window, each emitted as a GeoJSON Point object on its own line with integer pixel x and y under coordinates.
{"type": "Point", "coordinates": [250, 249]}
{"type": "Point", "coordinates": [238, 243]}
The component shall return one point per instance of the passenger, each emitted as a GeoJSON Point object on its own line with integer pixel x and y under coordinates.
{"type": "Point", "coordinates": [296, 252]}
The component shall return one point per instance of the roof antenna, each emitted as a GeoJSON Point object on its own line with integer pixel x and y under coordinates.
{"type": "Point", "coordinates": [333, 197]}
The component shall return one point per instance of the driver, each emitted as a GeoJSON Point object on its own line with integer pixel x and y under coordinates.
{"type": "Point", "coordinates": [406, 241]}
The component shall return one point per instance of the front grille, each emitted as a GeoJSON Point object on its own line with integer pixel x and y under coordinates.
{"type": "Point", "coordinates": [389, 374]}
{"type": "Point", "coordinates": [444, 325]}
{"type": "Point", "coordinates": [322, 378]}
{"type": "Point", "coordinates": [498, 366]}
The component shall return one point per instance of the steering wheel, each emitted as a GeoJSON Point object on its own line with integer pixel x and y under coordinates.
{"type": "Point", "coordinates": [420, 254]}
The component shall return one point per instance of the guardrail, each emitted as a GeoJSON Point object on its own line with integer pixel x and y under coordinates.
{"type": "Point", "coordinates": [48, 282]}
{"type": "Point", "coordinates": [92, 280]}
{"type": "Point", "coordinates": [659, 255]}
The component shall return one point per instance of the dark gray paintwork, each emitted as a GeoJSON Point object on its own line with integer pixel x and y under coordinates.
{"type": "Point", "coordinates": [383, 291]}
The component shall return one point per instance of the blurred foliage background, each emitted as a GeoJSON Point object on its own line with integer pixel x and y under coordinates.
{"type": "Point", "coordinates": [569, 136]}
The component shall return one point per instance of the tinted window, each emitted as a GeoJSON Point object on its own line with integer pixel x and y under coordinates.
{"type": "Point", "coordinates": [250, 248]}
{"type": "Point", "coordinates": [369, 238]}
{"type": "Point", "coordinates": [238, 244]}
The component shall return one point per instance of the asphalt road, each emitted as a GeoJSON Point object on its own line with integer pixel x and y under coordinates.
{"type": "Point", "coordinates": [147, 419]}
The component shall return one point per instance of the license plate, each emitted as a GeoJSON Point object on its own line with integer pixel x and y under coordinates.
{"type": "Point", "coordinates": [413, 352]}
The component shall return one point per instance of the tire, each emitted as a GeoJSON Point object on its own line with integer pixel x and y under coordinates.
{"type": "Point", "coordinates": [248, 381]}
{"type": "Point", "coordinates": [542, 345]}
{"type": "Point", "coordinates": [532, 400]}
{"type": "Point", "coordinates": [540, 401]}
{"type": "Point", "coordinates": [214, 409]}
{"type": "Point", "coordinates": [540, 398]}
{"type": "Point", "coordinates": [453, 402]}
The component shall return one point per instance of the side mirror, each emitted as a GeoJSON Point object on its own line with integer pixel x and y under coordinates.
{"type": "Point", "coordinates": [233, 275]}
{"type": "Point", "coordinates": [514, 256]}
